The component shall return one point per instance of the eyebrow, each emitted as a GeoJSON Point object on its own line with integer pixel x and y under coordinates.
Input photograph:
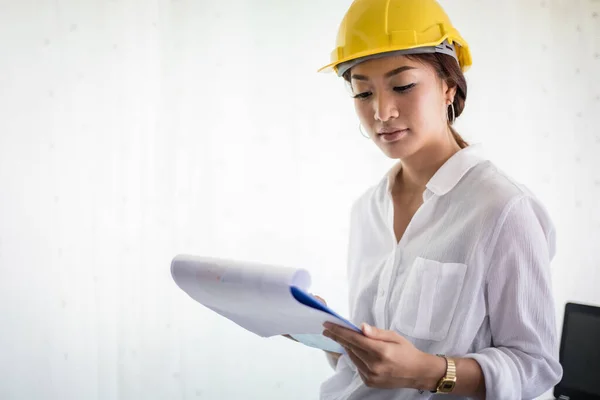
{"type": "Point", "coordinates": [387, 75]}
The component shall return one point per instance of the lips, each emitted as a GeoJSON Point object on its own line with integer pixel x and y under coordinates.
{"type": "Point", "coordinates": [390, 131]}
{"type": "Point", "coordinates": [389, 136]}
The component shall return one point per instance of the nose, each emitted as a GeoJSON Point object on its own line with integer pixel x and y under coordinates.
{"type": "Point", "coordinates": [385, 108]}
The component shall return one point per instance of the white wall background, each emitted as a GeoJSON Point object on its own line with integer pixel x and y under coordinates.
{"type": "Point", "coordinates": [131, 131]}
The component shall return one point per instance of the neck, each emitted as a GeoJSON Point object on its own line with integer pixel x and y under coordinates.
{"type": "Point", "coordinates": [418, 169]}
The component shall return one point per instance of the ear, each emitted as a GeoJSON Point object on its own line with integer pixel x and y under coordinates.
{"type": "Point", "coordinates": [449, 93]}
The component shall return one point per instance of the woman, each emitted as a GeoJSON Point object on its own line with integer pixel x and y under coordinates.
{"type": "Point", "coordinates": [448, 258]}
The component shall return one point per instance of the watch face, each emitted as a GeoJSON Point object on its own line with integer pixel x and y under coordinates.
{"type": "Point", "coordinates": [447, 386]}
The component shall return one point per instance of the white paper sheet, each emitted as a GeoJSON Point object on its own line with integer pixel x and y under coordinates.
{"type": "Point", "coordinates": [257, 297]}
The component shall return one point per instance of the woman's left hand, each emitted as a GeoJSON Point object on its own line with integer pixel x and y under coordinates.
{"type": "Point", "coordinates": [386, 360]}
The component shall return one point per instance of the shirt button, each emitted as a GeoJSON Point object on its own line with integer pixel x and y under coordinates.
{"type": "Point", "coordinates": [381, 292]}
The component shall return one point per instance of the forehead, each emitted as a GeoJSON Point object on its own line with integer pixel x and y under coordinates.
{"type": "Point", "coordinates": [379, 67]}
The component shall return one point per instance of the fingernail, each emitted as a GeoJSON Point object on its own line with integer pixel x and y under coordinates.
{"type": "Point", "coordinates": [366, 328]}
{"type": "Point", "coordinates": [327, 325]}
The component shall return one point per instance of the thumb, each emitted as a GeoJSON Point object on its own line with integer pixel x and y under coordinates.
{"type": "Point", "coordinates": [380, 334]}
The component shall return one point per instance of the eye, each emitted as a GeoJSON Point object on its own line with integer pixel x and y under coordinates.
{"type": "Point", "coordinates": [362, 96]}
{"type": "Point", "coordinates": [403, 89]}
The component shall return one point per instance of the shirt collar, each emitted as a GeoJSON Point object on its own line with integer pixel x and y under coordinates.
{"type": "Point", "coordinates": [450, 173]}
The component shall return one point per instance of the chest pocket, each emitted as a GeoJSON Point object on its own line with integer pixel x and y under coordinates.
{"type": "Point", "coordinates": [429, 298]}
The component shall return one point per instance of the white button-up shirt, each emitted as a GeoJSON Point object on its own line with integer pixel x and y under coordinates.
{"type": "Point", "coordinates": [470, 277]}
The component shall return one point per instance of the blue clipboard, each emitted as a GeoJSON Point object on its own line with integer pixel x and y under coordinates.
{"type": "Point", "coordinates": [318, 340]}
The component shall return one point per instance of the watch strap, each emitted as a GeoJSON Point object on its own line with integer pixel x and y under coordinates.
{"type": "Point", "coordinates": [447, 383]}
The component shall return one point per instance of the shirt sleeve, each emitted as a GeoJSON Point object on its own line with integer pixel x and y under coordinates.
{"type": "Point", "coordinates": [523, 360]}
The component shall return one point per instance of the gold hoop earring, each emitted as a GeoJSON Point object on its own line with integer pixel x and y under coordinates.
{"type": "Point", "coordinates": [451, 121]}
{"type": "Point", "coordinates": [360, 128]}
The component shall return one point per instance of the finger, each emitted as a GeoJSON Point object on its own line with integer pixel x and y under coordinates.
{"type": "Point", "coordinates": [289, 337]}
{"type": "Point", "coordinates": [360, 364]}
{"type": "Point", "coordinates": [339, 339]}
{"type": "Point", "coordinates": [380, 334]}
{"type": "Point", "coordinates": [367, 357]}
{"type": "Point", "coordinates": [363, 377]}
{"type": "Point", "coordinates": [350, 337]}
{"type": "Point", "coordinates": [320, 299]}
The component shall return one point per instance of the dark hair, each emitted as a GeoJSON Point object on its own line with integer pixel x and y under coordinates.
{"type": "Point", "coordinates": [447, 69]}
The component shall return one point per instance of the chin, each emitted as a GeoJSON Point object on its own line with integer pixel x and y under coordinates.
{"type": "Point", "coordinates": [397, 150]}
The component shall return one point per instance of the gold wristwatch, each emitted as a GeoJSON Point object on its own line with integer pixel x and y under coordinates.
{"type": "Point", "coordinates": [448, 382]}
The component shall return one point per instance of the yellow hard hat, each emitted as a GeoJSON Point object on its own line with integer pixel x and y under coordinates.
{"type": "Point", "coordinates": [372, 28]}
